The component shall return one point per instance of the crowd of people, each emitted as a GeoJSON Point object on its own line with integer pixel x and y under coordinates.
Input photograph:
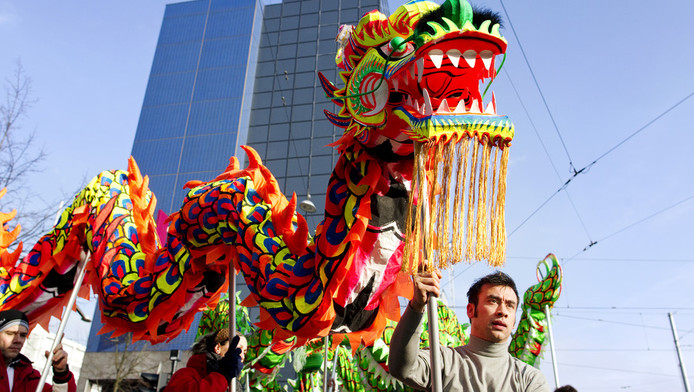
{"type": "Point", "coordinates": [484, 364]}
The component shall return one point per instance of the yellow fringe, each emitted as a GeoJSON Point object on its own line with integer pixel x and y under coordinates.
{"type": "Point", "coordinates": [468, 212]}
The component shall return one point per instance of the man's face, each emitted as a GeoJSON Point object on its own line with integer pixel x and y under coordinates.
{"type": "Point", "coordinates": [495, 314]}
{"type": "Point", "coordinates": [12, 340]}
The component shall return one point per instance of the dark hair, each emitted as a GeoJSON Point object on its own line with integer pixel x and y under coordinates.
{"type": "Point", "coordinates": [566, 388]}
{"type": "Point", "coordinates": [495, 279]}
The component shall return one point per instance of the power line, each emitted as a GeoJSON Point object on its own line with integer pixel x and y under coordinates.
{"type": "Point", "coordinates": [669, 309]}
{"type": "Point", "coordinates": [602, 259]}
{"type": "Point", "coordinates": [611, 322]}
{"type": "Point", "coordinates": [590, 165]}
{"type": "Point", "coordinates": [616, 349]}
{"type": "Point", "coordinates": [549, 157]}
{"type": "Point", "coordinates": [617, 370]}
{"type": "Point", "coordinates": [630, 226]}
{"type": "Point", "coordinates": [508, 17]}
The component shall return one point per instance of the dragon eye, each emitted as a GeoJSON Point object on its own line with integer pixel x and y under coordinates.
{"type": "Point", "coordinates": [397, 48]}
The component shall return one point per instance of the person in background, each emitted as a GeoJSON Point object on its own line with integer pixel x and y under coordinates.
{"type": "Point", "coordinates": [484, 364]}
{"type": "Point", "coordinates": [215, 362]}
{"type": "Point", "coordinates": [566, 388]}
{"type": "Point", "coordinates": [16, 371]}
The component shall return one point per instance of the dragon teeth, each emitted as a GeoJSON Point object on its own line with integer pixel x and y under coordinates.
{"type": "Point", "coordinates": [436, 57]}
{"type": "Point", "coordinates": [420, 70]}
{"type": "Point", "coordinates": [460, 108]}
{"type": "Point", "coordinates": [443, 107]}
{"type": "Point", "coordinates": [428, 110]}
{"type": "Point", "coordinates": [486, 56]}
{"type": "Point", "coordinates": [454, 56]}
{"type": "Point", "coordinates": [470, 57]}
{"type": "Point", "coordinates": [396, 84]}
{"type": "Point", "coordinates": [475, 108]}
{"type": "Point", "coordinates": [490, 108]}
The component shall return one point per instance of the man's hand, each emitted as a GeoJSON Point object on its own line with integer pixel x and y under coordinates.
{"type": "Point", "coordinates": [425, 284]}
{"type": "Point", "coordinates": [59, 359]}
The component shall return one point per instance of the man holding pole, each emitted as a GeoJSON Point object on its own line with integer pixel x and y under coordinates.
{"type": "Point", "coordinates": [484, 364]}
{"type": "Point", "coordinates": [16, 372]}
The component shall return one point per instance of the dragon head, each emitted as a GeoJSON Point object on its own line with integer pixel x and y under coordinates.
{"type": "Point", "coordinates": [416, 76]}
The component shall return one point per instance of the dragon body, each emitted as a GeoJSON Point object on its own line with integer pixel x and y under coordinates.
{"type": "Point", "coordinates": [412, 110]}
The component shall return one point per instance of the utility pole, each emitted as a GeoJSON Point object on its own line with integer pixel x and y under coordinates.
{"type": "Point", "coordinates": [679, 353]}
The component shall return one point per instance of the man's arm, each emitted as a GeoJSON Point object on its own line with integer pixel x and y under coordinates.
{"type": "Point", "coordinates": [405, 361]}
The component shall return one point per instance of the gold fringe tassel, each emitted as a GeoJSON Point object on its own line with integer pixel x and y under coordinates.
{"type": "Point", "coordinates": [456, 207]}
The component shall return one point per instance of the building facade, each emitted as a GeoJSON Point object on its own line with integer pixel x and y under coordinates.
{"type": "Point", "coordinates": [227, 73]}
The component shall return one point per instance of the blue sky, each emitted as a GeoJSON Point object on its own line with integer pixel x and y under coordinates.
{"type": "Point", "coordinates": [605, 69]}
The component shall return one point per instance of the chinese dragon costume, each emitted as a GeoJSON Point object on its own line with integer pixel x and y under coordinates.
{"type": "Point", "coordinates": [421, 154]}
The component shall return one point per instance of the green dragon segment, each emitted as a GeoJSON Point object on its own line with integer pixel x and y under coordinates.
{"type": "Point", "coordinates": [526, 343]}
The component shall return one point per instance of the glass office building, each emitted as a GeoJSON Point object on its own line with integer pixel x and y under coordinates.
{"type": "Point", "coordinates": [232, 72]}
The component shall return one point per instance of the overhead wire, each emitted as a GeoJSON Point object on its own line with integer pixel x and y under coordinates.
{"type": "Point", "coordinates": [590, 165]}
{"type": "Point", "coordinates": [630, 226]}
{"type": "Point", "coordinates": [575, 172]}
{"type": "Point", "coordinates": [532, 73]}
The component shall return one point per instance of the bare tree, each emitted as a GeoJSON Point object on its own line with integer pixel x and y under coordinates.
{"type": "Point", "coordinates": [20, 157]}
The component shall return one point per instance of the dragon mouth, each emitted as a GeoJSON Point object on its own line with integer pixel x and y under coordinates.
{"type": "Point", "coordinates": [437, 89]}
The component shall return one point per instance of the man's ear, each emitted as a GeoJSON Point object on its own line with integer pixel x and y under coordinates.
{"type": "Point", "coordinates": [470, 310]}
{"type": "Point", "coordinates": [218, 349]}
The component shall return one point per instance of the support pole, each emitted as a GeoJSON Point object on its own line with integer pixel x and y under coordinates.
{"type": "Point", "coordinates": [232, 314]}
{"type": "Point", "coordinates": [432, 306]}
{"type": "Point", "coordinates": [325, 364]}
{"type": "Point", "coordinates": [551, 347]}
{"type": "Point", "coordinates": [679, 353]}
{"type": "Point", "coordinates": [82, 266]}
{"type": "Point", "coordinates": [333, 372]}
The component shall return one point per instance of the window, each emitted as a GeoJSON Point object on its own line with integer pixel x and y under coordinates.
{"type": "Point", "coordinates": [308, 34]}
{"type": "Point", "coordinates": [290, 23]}
{"type": "Point", "coordinates": [287, 51]}
{"type": "Point", "coordinates": [290, 9]}
{"type": "Point", "coordinates": [303, 95]}
{"type": "Point", "coordinates": [257, 134]}
{"type": "Point", "coordinates": [304, 79]}
{"type": "Point", "coordinates": [327, 17]}
{"type": "Point", "coordinates": [308, 20]}
{"type": "Point", "coordinates": [279, 132]}
{"type": "Point", "coordinates": [306, 49]}
{"type": "Point", "coordinates": [297, 167]}
{"type": "Point", "coordinates": [350, 15]}
{"type": "Point", "coordinates": [302, 112]}
{"type": "Point", "coordinates": [276, 150]}
{"type": "Point", "coordinates": [288, 37]}
{"type": "Point", "coordinates": [328, 31]}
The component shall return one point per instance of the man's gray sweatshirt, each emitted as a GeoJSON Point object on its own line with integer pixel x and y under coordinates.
{"type": "Point", "coordinates": [478, 366]}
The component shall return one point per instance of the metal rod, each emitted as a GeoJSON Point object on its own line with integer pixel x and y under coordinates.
{"type": "Point", "coordinates": [84, 257]}
{"type": "Point", "coordinates": [333, 372]}
{"type": "Point", "coordinates": [679, 353]}
{"type": "Point", "coordinates": [325, 364]}
{"type": "Point", "coordinates": [434, 346]}
{"type": "Point", "coordinates": [432, 306]}
{"type": "Point", "coordinates": [232, 313]}
{"type": "Point", "coordinates": [551, 347]}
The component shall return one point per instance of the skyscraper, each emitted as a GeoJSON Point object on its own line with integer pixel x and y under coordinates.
{"type": "Point", "coordinates": [232, 72]}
